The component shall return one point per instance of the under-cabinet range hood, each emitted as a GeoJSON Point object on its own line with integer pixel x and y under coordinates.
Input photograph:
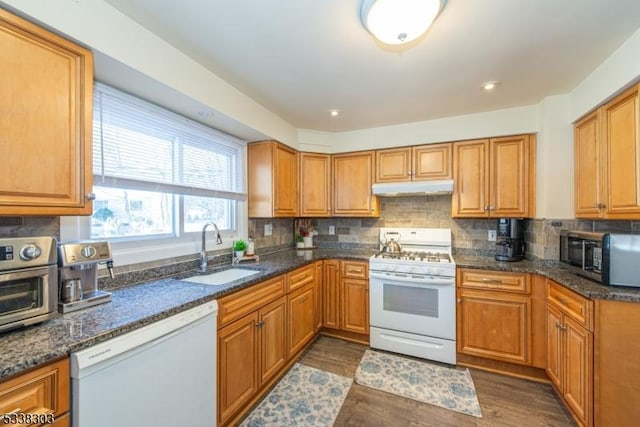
{"type": "Point", "coordinates": [413, 188]}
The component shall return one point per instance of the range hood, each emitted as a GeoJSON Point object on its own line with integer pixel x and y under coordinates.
{"type": "Point", "coordinates": [413, 188]}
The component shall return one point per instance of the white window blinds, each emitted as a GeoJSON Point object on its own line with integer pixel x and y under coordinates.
{"type": "Point", "coordinates": [141, 146]}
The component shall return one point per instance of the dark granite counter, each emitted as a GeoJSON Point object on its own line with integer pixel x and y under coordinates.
{"type": "Point", "coordinates": [135, 306]}
{"type": "Point", "coordinates": [556, 272]}
{"type": "Point", "coordinates": [138, 305]}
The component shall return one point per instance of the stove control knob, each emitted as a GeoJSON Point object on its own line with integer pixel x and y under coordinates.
{"type": "Point", "coordinates": [88, 251]}
{"type": "Point", "coordinates": [30, 252]}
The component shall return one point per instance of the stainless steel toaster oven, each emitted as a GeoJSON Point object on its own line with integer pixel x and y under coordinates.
{"type": "Point", "coordinates": [28, 281]}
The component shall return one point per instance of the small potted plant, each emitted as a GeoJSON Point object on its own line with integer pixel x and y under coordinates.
{"type": "Point", "coordinates": [239, 246]}
{"type": "Point", "coordinates": [299, 241]}
{"type": "Point", "coordinates": [307, 236]}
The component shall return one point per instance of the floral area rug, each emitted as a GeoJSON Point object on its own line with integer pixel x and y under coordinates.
{"type": "Point", "coordinates": [305, 396]}
{"type": "Point", "coordinates": [449, 388]}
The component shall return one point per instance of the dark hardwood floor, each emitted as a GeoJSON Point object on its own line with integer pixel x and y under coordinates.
{"type": "Point", "coordinates": [504, 401]}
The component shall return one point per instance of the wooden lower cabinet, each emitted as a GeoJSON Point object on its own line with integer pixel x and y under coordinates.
{"type": "Point", "coordinates": [331, 292]}
{"type": "Point", "coordinates": [301, 318]}
{"type": "Point", "coordinates": [355, 305]}
{"type": "Point", "coordinates": [570, 351]}
{"type": "Point", "coordinates": [42, 391]}
{"type": "Point", "coordinates": [495, 325]}
{"type": "Point", "coordinates": [346, 296]}
{"type": "Point", "coordinates": [251, 351]}
{"type": "Point", "coordinates": [318, 295]}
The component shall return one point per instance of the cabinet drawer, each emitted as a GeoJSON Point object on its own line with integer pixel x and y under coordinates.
{"type": "Point", "coordinates": [494, 280]}
{"type": "Point", "coordinates": [573, 305]}
{"type": "Point", "coordinates": [300, 277]}
{"type": "Point", "coordinates": [355, 270]}
{"type": "Point", "coordinates": [238, 304]}
{"type": "Point", "coordinates": [43, 391]}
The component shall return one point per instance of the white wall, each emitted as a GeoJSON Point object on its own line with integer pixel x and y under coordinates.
{"type": "Point", "coordinates": [102, 28]}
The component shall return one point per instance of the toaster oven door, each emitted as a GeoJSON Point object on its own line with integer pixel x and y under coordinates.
{"type": "Point", "coordinates": [27, 296]}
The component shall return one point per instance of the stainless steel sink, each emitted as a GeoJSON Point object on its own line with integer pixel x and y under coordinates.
{"type": "Point", "coordinates": [221, 277]}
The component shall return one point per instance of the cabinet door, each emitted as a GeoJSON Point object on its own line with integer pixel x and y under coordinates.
{"type": "Point", "coordinates": [301, 318]}
{"type": "Point", "coordinates": [588, 168]}
{"type": "Point", "coordinates": [471, 188]}
{"type": "Point", "coordinates": [509, 177]}
{"type": "Point", "coordinates": [315, 185]}
{"type": "Point", "coordinates": [46, 94]}
{"type": "Point", "coordinates": [273, 342]}
{"type": "Point", "coordinates": [621, 129]}
{"type": "Point", "coordinates": [578, 365]}
{"type": "Point", "coordinates": [393, 165]}
{"type": "Point", "coordinates": [554, 346]}
{"type": "Point", "coordinates": [318, 295]}
{"type": "Point", "coordinates": [432, 161]}
{"type": "Point", "coordinates": [285, 185]}
{"type": "Point", "coordinates": [331, 275]}
{"type": "Point", "coordinates": [355, 305]}
{"type": "Point", "coordinates": [237, 365]}
{"type": "Point", "coordinates": [352, 179]}
{"type": "Point", "coordinates": [495, 325]}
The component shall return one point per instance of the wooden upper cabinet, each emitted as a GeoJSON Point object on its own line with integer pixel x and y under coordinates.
{"type": "Point", "coordinates": [621, 127]}
{"type": "Point", "coordinates": [588, 166]}
{"type": "Point", "coordinates": [607, 160]}
{"type": "Point", "coordinates": [315, 185]}
{"type": "Point", "coordinates": [272, 180]}
{"type": "Point", "coordinates": [353, 175]}
{"type": "Point", "coordinates": [421, 163]}
{"type": "Point", "coordinates": [494, 177]}
{"type": "Point", "coordinates": [46, 93]}
{"type": "Point", "coordinates": [432, 161]}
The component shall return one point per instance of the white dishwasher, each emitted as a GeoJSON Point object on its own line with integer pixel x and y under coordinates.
{"type": "Point", "coordinates": [161, 375]}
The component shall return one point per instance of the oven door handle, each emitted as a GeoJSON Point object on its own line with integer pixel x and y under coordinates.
{"type": "Point", "coordinates": [422, 279]}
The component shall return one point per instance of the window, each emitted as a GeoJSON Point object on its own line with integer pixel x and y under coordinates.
{"type": "Point", "coordinates": [158, 174]}
{"type": "Point", "coordinates": [158, 178]}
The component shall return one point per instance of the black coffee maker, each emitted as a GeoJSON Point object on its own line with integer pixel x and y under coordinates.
{"type": "Point", "coordinates": [510, 239]}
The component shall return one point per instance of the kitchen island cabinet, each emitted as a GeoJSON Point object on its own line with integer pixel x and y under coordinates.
{"type": "Point", "coordinates": [46, 93]}
{"type": "Point", "coordinates": [494, 178]}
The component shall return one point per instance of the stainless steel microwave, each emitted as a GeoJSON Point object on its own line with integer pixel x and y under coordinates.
{"type": "Point", "coordinates": [609, 258]}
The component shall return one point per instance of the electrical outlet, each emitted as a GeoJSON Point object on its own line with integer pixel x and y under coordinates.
{"type": "Point", "coordinates": [332, 230]}
{"type": "Point", "coordinates": [492, 235]}
{"type": "Point", "coordinates": [268, 229]}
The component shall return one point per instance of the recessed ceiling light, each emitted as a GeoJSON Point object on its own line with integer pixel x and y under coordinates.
{"type": "Point", "coordinates": [490, 85]}
{"type": "Point", "coordinates": [334, 113]}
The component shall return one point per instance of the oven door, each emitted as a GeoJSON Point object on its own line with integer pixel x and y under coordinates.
{"type": "Point", "coordinates": [27, 296]}
{"type": "Point", "coordinates": [423, 305]}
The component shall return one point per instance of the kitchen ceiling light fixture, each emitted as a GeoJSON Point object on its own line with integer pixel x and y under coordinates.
{"type": "Point", "coordinates": [399, 21]}
{"type": "Point", "coordinates": [334, 113]}
{"type": "Point", "coordinates": [489, 86]}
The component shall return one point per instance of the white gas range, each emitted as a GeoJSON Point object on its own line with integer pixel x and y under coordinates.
{"type": "Point", "coordinates": [412, 295]}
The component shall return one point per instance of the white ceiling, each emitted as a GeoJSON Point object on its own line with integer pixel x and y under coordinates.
{"type": "Point", "coordinates": [301, 58]}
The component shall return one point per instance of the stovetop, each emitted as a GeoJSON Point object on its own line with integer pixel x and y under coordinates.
{"type": "Point", "coordinates": [416, 256]}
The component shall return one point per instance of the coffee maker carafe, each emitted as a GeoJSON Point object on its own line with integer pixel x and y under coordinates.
{"type": "Point", "coordinates": [78, 274]}
{"type": "Point", "coordinates": [510, 239]}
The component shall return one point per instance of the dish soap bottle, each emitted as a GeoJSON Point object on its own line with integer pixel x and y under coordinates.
{"type": "Point", "coordinates": [251, 247]}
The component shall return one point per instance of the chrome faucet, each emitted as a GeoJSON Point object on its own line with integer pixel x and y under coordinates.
{"type": "Point", "coordinates": [203, 251]}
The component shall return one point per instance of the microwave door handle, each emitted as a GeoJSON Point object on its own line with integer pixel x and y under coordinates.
{"type": "Point", "coordinates": [583, 252]}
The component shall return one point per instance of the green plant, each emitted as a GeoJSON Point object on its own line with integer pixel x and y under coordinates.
{"type": "Point", "coordinates": [299, 238]}
{"type": "Point", "coordinates": [240, 245]}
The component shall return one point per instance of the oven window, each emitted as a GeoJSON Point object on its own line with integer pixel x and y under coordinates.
{"type": "Point", "coordinates": [410, 300]}
{"type": "Point", "coordinates": [20, 295]}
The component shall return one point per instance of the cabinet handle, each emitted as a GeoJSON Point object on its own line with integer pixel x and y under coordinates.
{"type": "Point", "coordinates": [91, 196]}
{"type": "Point", "coordinates": [563, 327]}
{"type": "Point", "coordinates": [601, 206]}
{"type": "Point", "coordinates": [459, 300]}
{"type": "Point", "coordinates": [486, 208]}
{"type": "Point", "coordinates": [260, 324]}
{"type": "Point", "coordinates": [557, 325]}
{"type": "Point", "coordinates": [487, 280]}
{"type": "Point", "coordinates": [492, 208]}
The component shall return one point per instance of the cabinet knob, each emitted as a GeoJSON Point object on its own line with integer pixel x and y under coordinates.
{"type": "Point", "coordinates": [91, 196]}
{"type": "Point", "coordinates": [601, 206]}
{"type": "Point", "coordinates": [459, 300]}
{"type": "Point", "coordinates": [492, 208]}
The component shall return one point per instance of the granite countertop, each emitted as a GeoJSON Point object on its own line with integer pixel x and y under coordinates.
{"type": "Point", "coordinates": [136, 306]}
{"type": "Point", "coordinates": [553, 270]}
{"type": "Point", "coordinates": [141, 304]}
